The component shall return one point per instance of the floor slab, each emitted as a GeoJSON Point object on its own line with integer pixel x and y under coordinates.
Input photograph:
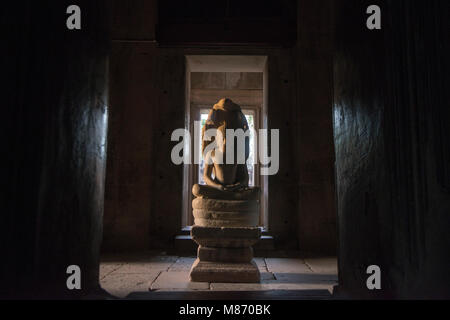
{"type": "Point", "coordinates": [310, 278]}
{"type": "Point", "coordinates": [169, 280]}
{"type": "Point", "coordinates": [287, 265]}
{"type": "Point", "coordinates": [326, 265]}
{"type": "Point", "coordinates": [141, 267]}
{"type": "Point", "coordinates": [121, 285]}
{"type": "Point", "coordinates": [183, 264]}
{"type": "Point", "coordinates": [268, 286]}
{"type": "Point", "coordinates": [108, 267]}
{"type": "Point", "coordinates": [145, 276]}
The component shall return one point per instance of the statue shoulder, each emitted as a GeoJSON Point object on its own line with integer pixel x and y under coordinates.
{"type": "Point", "coordinates": [243, 120]}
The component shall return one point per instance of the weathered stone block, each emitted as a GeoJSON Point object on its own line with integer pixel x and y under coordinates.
{"type": "Point", "coordinates": [225, 237]}
{"type": "Point", "coordinates": [225, 219]}
{"type": "Point", "coordinates": [225, 205]}
{"type": "Point", "coordinates": [225, 254]}
{"type": "Point", "coordinates": [205, 271]}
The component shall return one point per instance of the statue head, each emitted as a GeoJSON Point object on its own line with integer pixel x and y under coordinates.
{"type": "Point", "coordinates": [224, 115]}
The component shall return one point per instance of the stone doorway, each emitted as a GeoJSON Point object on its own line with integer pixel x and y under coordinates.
{"type": "Point", "coordinates": [243, 79]}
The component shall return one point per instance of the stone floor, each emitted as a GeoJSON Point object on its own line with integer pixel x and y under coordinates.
{"type": "Point", "coordinates": [127, 277]}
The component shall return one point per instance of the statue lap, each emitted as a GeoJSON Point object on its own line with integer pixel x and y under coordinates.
{"type": "Point", "coordinates": [220, 208]}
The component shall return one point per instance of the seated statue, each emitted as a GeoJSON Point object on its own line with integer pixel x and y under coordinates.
{"type": "Point", "coordinates": [230, 181]}
{"type": "Point", "coordinates": [225, 210]}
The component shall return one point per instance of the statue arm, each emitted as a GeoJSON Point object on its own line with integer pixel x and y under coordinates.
{"type": "Point", "coordinates": [241, 179]}
{"type": "Point", "coordinates": [207, 175]}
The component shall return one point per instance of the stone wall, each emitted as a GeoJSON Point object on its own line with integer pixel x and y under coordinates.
{"type": "Point", "coordinates": [143, 188]}
{"type": "Point", "coordinates": [392, 145]}
{"type": "Point", "coordinates": [143, 202]}
{"type": "Point", "coordinates": [54, 114]}
{"type": "Point", "coordinates": [391, 135]}
{"type": "Point", "coordinates": [317, 229]}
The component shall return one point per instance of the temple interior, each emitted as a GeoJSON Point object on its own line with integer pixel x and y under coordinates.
{"type": "Point", "coordinates": [364, 145]}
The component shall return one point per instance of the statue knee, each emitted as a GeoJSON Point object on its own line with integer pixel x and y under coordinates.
{"type": "Point", "coordinates": [196, 190]}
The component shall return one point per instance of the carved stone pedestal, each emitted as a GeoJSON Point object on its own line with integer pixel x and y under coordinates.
{"type": "Point", "coordinates": [225, 254]}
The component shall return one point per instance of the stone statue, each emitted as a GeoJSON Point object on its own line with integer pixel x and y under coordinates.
{"type": "Point", "coordinates": [226, 209]}
{"type": "Point", "coordinates": [230, 181]}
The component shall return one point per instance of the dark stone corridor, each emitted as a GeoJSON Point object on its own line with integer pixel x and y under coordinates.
{"type": "Point", "coordinates": [364, 120]}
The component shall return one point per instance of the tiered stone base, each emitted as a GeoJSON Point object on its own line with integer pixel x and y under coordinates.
{"type": "Point", "coordinates": [225, 254]}
{"type": "Point", "coordinates": [225, 213]}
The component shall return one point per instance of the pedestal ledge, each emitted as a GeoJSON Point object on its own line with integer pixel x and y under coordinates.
{"type": "Point", "coordinates": [225, 254]}
{"type": "Point", "coordinates": [223, 237]}
{"type": "Point", "coordinates": [208, 271]}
